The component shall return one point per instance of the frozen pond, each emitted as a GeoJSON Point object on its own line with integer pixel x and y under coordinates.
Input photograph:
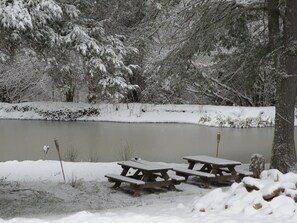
{"type": "Point", "coordinates": [106, 141]}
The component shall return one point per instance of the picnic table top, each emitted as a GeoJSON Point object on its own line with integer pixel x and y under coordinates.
{"type": "Point", "coordinates": [146, 166]}
{"type": "Point", "coordinates": [212, 160]}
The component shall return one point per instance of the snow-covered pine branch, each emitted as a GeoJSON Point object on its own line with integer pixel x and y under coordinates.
{"type": "Point", "coordinates": [50, 26]}
{"type": "Point", "coordinates": [28, 14]}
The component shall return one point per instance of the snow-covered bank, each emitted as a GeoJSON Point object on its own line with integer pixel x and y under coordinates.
{"type": "Point", "coordinates": [36, 189]}
{"type": "Point", "coordinates": [32, 191]}
{"type": "Point", "coordinates": [219, 116]}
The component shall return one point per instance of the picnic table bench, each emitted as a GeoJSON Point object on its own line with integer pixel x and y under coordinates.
{"type": "Point", "coordinates": [144, 174]}
{"type": "Point", "coordinates": [213, 169]}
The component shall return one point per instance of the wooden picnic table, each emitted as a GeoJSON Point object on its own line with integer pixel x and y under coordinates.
{"type": "Point", "coordinates": [213, 169]}
{"type": "Point", "coordinates": [142, 174]}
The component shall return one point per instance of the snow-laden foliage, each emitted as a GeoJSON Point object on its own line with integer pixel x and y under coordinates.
{"type": "Point", "coordinates": [71, 11]}
{"type": "Point", "coordinates": [65, 67]}
{"type": "Point", "coordinates": [24, 23]}
{"type": "Point", "coordinates": [107, 73]}
{"type": "Point", "coordinates": [104, 59]}
{"type": "Point", "coordinates": [217, 49]}
{"type": "Point", "coordinates": [26, 14]}
{"type": "Point", "coordinates": [51, 26]}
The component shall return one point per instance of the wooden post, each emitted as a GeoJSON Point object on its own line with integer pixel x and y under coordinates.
{"type": "Point", "coordinates": [58, 150]}
{"type": "Point", "coordinates": [218, 142]}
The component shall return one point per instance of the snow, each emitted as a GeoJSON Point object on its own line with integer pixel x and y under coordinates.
{"type": "Point", "coordinates": [39, 186]}
{"type": "Point", "coordinates": [237, 200]}
{"type": "Point", "coordinates": [34, 191]}
{"type": "Point", "coordinates": [219, 116]}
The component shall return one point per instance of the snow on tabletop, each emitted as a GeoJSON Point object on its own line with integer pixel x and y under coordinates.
{"type": "Point", "coordinates": [210, 159]}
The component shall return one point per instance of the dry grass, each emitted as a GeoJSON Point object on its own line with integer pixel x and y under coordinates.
{"type": "Point", "coordinates": [71, 155]}
{"type": "Point", "coordinates": [125, 152]}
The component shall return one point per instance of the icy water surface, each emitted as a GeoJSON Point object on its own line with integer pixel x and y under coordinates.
{"type": "Point", "coordinates": [104, 141]}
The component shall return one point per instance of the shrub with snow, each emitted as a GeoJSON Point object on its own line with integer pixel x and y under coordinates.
{"type": "Point", "coordinates": [257, 164]}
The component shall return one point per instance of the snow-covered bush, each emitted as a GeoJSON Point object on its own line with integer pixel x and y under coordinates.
{"type": "Point", "coordinates": [273, 194]}
{"type": "Point", "coordinates": [56, 113]}
{"type": "Point", "coordinates": [204, 118]}
{"type": "Point", "coordinates": [257, 164]}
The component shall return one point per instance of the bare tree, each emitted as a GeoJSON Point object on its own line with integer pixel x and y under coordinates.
{"type": "Point", "coordinates": [20, 78]}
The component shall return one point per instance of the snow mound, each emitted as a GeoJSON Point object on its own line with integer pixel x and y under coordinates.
{"type": "Point", "coordinates": [273, 194]}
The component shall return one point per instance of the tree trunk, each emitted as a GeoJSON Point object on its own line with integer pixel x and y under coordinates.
{"type": "Point", "coordinates": [273, 24]}
{"type": "Point", "coordinates": [283, 149]}
{"type": "Point", "coordinates": [69, 95]}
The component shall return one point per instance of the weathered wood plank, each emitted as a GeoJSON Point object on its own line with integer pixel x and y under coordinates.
{"type": "Point", "coordinates": [244, 173]}
{"type": "Point", "coordinates": [172, 177]}
{"type": "Point", "coordinates": [114, 177]}
{"type": "Point", "coordinates": [158, 184]}
{"type": "Point", "coordinates": [193, 172]}
{"type": "Point", "coordinates": [177, 178]}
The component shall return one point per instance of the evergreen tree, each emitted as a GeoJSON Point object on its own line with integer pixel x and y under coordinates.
{"type": "Point", "coordinates": [47, 24]}
{"type": "Point", "coordinates": [221, 52]}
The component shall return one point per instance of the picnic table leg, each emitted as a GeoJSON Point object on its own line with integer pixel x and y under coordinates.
{"type": "Point", "coordinates": [233, 173]}
{"type": "Point", "coordinates": [146, 176]}
{"type": "Point", "coordinates": [117, 184]}
{"type": "Point", "coordinates": [232, 170]}
{"type": "Point", "coordinates": [216, 171]}
{"type": "Point", "coordinates": [124, 172]}
{"type": "Point", "coordinates": [191, 165]}
{"type": "Point", "coordinates": [166, 178]}
{"type": "Point", "coordinates": [206, 168]}
{"type": "Point", "coordinates": [136, 174]}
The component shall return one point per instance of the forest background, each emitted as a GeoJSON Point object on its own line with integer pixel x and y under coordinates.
{"type": "Point", "coordinates": [221, 52]}
{"type": "Point", "coordinates": [154, 51]}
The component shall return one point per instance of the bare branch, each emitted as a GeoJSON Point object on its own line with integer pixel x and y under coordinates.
{"type": "Point", "coordinates": [236, 92]}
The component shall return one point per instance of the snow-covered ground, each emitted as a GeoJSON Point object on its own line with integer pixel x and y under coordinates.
{"type": "Point", "coordinates": [220, 116]}
{"type": "Point", "coordinates": [34, 191]}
